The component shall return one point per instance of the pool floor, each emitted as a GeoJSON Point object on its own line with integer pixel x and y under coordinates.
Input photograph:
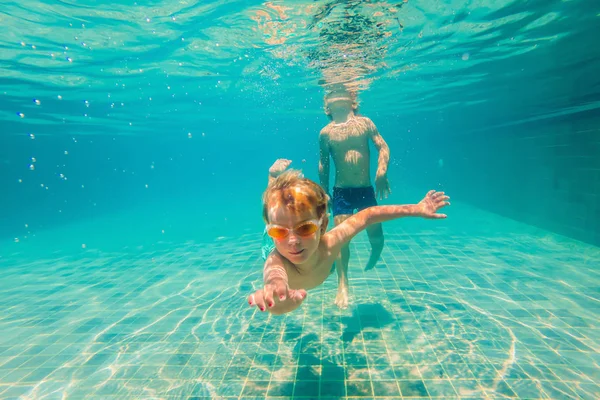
{"type": "Point", "coordinates": [448, 313]}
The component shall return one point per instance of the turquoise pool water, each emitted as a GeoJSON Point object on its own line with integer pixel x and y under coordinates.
{"type": "Point", "coordinates": [135, 141]}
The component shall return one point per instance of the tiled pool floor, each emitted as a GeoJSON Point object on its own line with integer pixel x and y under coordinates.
{"type": "Point", "coordinates": [446, 314]}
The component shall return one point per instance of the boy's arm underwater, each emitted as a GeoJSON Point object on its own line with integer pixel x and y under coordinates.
{"type": "Point", "coordinates": [276, 296]}
{"type": "Point", "coordinates": [382, 185]}
{"type": "Point", "coordinates": [277, 168]}
{"type": "Point", "coordinates": [324, 161]}
{"type": "Point", "coordinates": [426, 208]}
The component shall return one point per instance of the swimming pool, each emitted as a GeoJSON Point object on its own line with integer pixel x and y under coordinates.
{"type": "Point", "coordinates": [135, 142]}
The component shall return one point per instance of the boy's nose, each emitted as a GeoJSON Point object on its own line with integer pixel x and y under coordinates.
{"type": "Point", "coordinates": [293, 238]}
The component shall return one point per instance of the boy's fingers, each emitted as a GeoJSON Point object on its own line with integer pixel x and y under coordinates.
{"type": "Point", "coordinates": [259, 300]}
{"type": "Point", "coordinates": [298, 296]}
{"type": "Point", "coordinates": [281, 291]}
{"type": "Point", "coordinates": [268, 300]}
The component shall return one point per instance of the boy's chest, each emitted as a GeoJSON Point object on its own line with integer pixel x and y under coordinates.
{"type": "Point", "coordinates": [308, 280]}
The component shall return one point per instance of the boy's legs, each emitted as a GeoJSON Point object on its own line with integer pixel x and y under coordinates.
{"type": "Point", "coordinates": [341, 266]}
{"type": "Point", "coordinates": [375, 233]}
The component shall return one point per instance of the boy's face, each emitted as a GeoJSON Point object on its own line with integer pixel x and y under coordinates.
{"type": "Point", "coordinates": [340, 101]}
{"type": "Point", "coordinates": [297, 249]}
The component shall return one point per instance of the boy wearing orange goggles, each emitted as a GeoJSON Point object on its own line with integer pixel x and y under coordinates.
{"type": "Point", "coordinates": [295, 211]}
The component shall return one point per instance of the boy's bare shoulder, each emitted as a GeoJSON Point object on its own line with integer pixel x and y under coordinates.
{"type": "Point", "coordinates": [326, 129]}
{"type": "Point", "coordinates": [367, 121]}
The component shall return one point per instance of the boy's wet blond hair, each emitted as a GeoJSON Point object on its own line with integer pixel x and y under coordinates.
{"type": "Point", "coordinates": [295, 192]}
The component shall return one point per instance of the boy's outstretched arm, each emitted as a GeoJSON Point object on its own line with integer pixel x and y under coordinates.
{"type": "Point", "coordinates": [426, 208]}
{"type": "Point", "coordinates": [324, 161]}
{"type": "Point", "coordinates": [276, 296]}
{"type": "Point", "coordinates": [382, 185]}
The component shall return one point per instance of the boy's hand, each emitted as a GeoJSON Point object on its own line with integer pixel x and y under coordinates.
{"type": "Point", "coordinates": [432, 202]}
{"type": "Point", "coordinates": [276, 291]}
{"type": "Point", "coordinates": [382, 187]}
{"type": "Point", "coordinates": [279, 166]}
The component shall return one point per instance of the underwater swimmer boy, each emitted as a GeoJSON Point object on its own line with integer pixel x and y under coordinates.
{"type": "Point", "coordinates": [295, 210]}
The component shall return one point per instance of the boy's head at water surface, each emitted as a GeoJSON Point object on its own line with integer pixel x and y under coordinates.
{"type": "Point", "coordinates": [339, 96]}
{"type": "Point", "coordinates": [295, 211]}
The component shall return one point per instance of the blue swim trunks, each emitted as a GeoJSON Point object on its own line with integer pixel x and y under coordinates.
{"type": "Point", "coordinates": [347, 200]}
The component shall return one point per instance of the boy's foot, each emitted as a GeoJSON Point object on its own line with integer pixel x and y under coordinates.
{"type": "Point", "coordinates": [371, 264]}
{"type": "Point", "coordinates": [341, 299]}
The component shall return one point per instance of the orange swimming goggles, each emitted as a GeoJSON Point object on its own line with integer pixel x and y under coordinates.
{"type": "Point", "coordinates": [303, 229]}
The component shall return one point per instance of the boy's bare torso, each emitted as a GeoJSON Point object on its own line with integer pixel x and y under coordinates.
{"type": "Point", "coordinates": [349, 148]}
{"type": "Point", "coordinates": [311, 275]}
